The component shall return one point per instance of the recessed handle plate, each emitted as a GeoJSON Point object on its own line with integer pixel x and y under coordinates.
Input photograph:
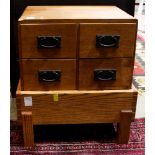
{"type": "Point", "coordinates": [49, 41]}
{"type": "Point", "coordinates": [104, 74]}
{"type": "Point", "coordinates": [107, 40]}
{"type": "Point", "coordinates": [49, 75]}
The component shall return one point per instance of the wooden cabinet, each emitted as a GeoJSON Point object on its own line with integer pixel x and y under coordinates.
{"type": "Point", "coordinates": [16, 10]}
{"type": "Point", "coordinates": [76, 65]}
{"type": "Point", "coordinates": [78, 33]}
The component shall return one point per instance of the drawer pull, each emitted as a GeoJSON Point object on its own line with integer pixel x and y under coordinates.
{"type": "Point", "coordinates": [49, 41]}
{"type": "Point", "coordinates": [104, 75]}
{"type": "Point", "coordinates": [107, 40]}
{"type": "Point", "coordinates": [49, 76]}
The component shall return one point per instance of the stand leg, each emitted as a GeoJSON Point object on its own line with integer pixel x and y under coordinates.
{"type": "Point", "coordinates": [123, 129]}
{"type": "Point", "coordinates": [28, 129]}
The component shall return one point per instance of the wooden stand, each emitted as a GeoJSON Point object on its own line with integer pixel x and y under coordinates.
{"type": "Point", "coordinates": [123, 129]}
{"type": "Point", "coordinates": [77, 107]}
{"type": "Point", "coordinates": [86, 78]}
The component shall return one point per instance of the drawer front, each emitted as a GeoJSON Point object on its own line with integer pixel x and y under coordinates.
{"type": "Point", "coordinates": [48, 74]}
{"type": "Point", "coordinates": [107, 40]}
{"type": "Point", "coordinates": [100, 74]}
{"type": "Point", "coordinates": [48, 40]}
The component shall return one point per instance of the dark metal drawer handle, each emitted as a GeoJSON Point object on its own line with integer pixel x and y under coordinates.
{"type": "Point", "coordinates": [104, 74]}
{"type": "Point", "coordinates": [107, 40]}
{"type": "Point", "coordinates": [49, 41]}
{"type": "Point", "coordinates": [49, 76]}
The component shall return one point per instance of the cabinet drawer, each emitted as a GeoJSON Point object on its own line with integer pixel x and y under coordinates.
{"type": "Point", "coordinates": [100, 74]}
{"type": "Point", "coordinates": [107, 40]}
{"type": "Point", "coordinates": [48, 40]}
{"type": "Point", "coordinates": [48, 74]}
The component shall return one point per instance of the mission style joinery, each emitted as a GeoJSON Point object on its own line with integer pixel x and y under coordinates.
{"type": "Point", "coordinates": [76, 67]}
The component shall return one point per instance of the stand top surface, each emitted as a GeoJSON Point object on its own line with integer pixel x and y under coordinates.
{"type": "Point", "coordinates": [34, 13]}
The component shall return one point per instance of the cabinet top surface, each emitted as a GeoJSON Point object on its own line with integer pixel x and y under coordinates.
{"type": "Point", "coordinates": [34, 13]}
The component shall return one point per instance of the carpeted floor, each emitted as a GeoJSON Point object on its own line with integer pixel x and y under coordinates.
{"type": "Point", "coordinates": [139, 68]}
{"type": "Point", "coordinates": [139, 72]}
{"type": "Point", "coordinates": [85, 147]}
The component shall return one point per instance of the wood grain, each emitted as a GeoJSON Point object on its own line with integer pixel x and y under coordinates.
{"type": "Point", "coordinates": [135, 95]}
{"type": "Point", "coordinates": [124, 126]}
{"type": "Point", "coordinates": [28, 129]}
{"type": "Point", "coordinates": [88, 32]}
{"type": "Point", "coordinates": [75, 14]}
{"type": "Point", "coordinates": [123, 66]}
{"type": "Point", "coordinates": [83, 108]}
{"type": "Point", "coordinates": [28, 34]}
{"type": "Point", "coordinates": [77, 107]}
{"type": "Point", "coordinates": [30, 68]}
